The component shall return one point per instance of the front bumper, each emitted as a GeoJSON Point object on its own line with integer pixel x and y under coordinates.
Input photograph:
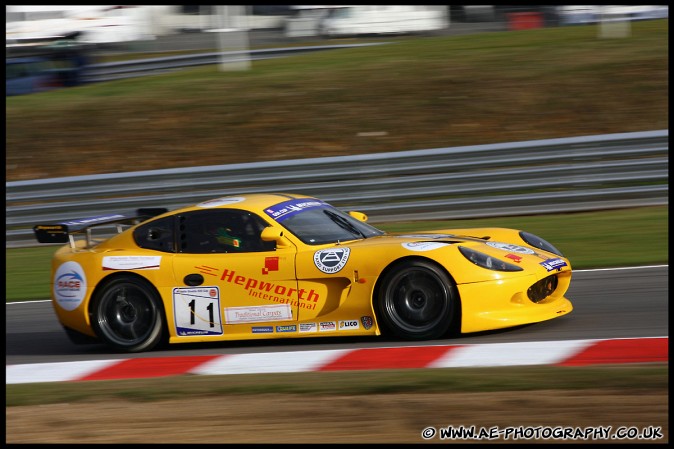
{"type": "Point", "coordinates": [505, 303]}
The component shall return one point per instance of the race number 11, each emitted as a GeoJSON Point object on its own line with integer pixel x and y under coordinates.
{"type": "Point", "coordinates": [196, 311]}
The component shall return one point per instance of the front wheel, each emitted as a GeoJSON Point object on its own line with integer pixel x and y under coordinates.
{"type": "Point", "coordinates": [417, 301]}
{"type": "Point", "coordinates": [127, 315]}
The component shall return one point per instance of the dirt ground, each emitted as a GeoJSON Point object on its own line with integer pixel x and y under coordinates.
{"type": "Point", "coordinates": [382, 418]}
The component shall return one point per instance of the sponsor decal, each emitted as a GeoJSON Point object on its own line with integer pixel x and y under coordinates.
{"type": "Point", "coordinates": [423, 246]}
{"type": "Point", "coordinates": [257, 314]}
{"type": "Point", "coordinates": [196, 311]}
{"type": "Point", "coordinates": [428, 236]}
{"type": "Point", "coordinates": [346, 325]}
{"type": "Point", "coordinates": [52, 228]}
{"type": "Point", "coordinates": [131, 263]}
{"type": "Point", "coordinates": [222, 201]}
{"type": "Point", "coordinates": [262, 329]}
{"type": "Point", "coordinates": [541, 256]}
{"type": "Point", "coordinates": [514, 258]}
{"type": "Point", "coordinates": [70, 285]}
{"type": "Point", "coordinates": [268, 290]}
{"type": "Point", "coordinates": [210, 271]}
{"type": "Point", "coordinates": [270, 264]}
{"type": "Point", "coordinates": [331, 260]}
{"type": "Point", "coordinates": [511, 248]}
{"type": "Point", "coordinates": [308, 327]}
{"type": "Point", "coordinates": [281, 211]}
{"type": "Point", "coordinates": [327, 326]}
{"type": "Point", "coordinates": [90, 220]}
{"type": "Point", "coordinates": [554, 264]}
{"type": "Point", "coordinates": [287, 328]}
{"type": "Point", "coordinates": [367, 322]}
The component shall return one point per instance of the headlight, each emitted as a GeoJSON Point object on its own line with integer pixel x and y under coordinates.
{"type": "Point", "coordinates": [486, 261]}
{"type": "Point", "coordinates": [539, 243]}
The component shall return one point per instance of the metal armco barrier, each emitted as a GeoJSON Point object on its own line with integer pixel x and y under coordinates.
{"type": "Point", "coordinates": [110, 71]}
{"type": "Point", "coordinates": [520, 178]}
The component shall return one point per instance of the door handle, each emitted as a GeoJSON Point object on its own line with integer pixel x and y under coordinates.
{"type": "Point", "coordinates": [193, 279]}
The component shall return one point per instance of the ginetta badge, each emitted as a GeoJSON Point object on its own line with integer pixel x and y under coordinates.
{"type": "Point", "coordinates": [331, 260]}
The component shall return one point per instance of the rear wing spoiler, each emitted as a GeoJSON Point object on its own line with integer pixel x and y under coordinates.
{"type": "Point", "coordinates": [63, 232]}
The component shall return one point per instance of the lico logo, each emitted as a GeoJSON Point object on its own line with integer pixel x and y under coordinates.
{"type": "Point", "coordinates": [70, 285]}
{"type": "Point", "coordinates": [348, 324]}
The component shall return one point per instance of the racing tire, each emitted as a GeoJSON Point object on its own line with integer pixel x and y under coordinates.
{"type": "Point", "coordinates": [417, 301]}
{"type": "Point", "coordinates": [127, 314]}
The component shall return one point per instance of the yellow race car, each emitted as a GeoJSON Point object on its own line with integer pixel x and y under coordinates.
{"type": "Point", "coordinates": [264, 266]}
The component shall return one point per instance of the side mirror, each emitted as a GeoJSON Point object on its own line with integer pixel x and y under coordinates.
{"type": "Point", "coordinates": [358, 215]}
{"type": "Point", "coordinates": [272, 234]}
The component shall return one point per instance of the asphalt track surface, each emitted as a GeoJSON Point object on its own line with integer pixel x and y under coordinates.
{"type": "Point", "coordinates": [608, 304]}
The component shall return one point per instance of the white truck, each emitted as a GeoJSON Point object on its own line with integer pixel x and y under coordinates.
{"type": "Point", "coordinates": [354, 20]}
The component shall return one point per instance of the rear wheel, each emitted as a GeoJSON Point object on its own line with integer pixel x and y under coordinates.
{"type": "Point", "coordinates": [127, 314]}
{"type": "Point", "coordinates": [417, 301]}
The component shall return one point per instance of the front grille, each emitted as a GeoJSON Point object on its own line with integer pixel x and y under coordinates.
{"type": "Point", "coordinates": [542, 289]}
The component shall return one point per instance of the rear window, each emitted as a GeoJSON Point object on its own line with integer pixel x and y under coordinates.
{"type": "Point", "coordinates": [157, 235]}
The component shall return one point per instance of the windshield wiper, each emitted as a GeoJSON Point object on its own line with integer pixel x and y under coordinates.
{"type": "Point", "coordinates": [344, 223]}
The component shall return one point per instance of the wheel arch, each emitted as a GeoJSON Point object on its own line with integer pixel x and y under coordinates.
{"type": "Point", "coordinates": [123, 274]}
{"type": "Point", "coordinates": [456, 327]}
{"type": "Point", "coordinates": [130, 274]}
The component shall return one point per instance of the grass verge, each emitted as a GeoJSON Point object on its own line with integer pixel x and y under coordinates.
{"type": "Point", "coordinates": [414, 93]}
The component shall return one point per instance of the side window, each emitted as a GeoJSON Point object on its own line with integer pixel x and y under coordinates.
{"type": "Point", "coordinates": [157, 235]}
{"type": "Point", "coordinates": [221, 231]}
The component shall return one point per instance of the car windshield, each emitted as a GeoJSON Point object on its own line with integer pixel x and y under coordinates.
{"type": "Point", "coordinates": [315, 222]}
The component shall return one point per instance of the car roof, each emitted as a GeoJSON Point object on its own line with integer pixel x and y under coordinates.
{"type": "Point", "coordinates": [255, 202]}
